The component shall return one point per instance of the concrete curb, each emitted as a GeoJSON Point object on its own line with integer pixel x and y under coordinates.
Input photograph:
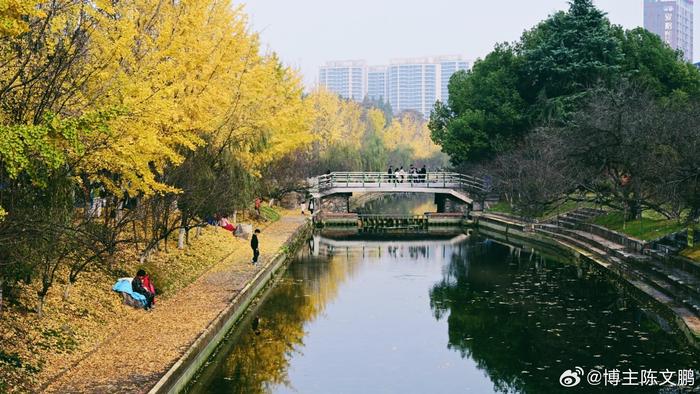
{"type": "Point", "coordinates": [185, 368]}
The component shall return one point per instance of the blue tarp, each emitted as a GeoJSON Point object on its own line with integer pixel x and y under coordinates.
{"type": "Point", "coordinates": [124, 286]}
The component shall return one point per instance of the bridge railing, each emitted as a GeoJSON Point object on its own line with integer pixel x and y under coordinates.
{"type": "Point", "coordinates": [436, 180]}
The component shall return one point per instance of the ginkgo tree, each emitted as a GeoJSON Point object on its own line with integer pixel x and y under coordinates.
{"type": "Point", "coordinates": [111, 99]}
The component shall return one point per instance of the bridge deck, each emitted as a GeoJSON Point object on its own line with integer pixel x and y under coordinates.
{"type": "Point", "coordinates": [464, 187]}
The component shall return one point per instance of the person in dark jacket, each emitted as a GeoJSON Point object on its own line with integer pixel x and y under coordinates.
{"type": "Point", "coordinates": [137, 285]}
{"type": "Point", "coordinates": [254, 246]}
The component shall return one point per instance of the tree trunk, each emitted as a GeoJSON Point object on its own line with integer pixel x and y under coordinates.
{"type": "Point", "coordinates": [66, 291]}
{"type": "Point", "coordinates": [198, 232]}
{"type": "Point", "coordinates": [40, 306]}
{"type": "Point", "coordinates": [633, 210]}
{"type": "Point", "coordinates": [235, 217]}
{"type": "Point", "coordinates": [181, 238]}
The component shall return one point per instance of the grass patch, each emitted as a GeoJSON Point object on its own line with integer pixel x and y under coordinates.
{"type": "Point", "coordinates": [651, 226]}
{"type": "Point", "coordinates": [568, 206]}
{"type": "Point", "coordinates": [270, 214]}
{"type": "Point", "coordinates": [692, 253]}
{"type": "Point", "coordinates": [501, 207]}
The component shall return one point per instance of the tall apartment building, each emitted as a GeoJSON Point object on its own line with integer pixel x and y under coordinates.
{"type": "Point", "coordinates": [376, 83]}
{"type": "Point", "coordinates": [407, 84]}
{"type": "Point", "coordinates": [416, 84]}
{"type": "Point", "coordinates": [346, 78]}
{"type": "Point", "coordinates": [449, 66]}
{"type": "Point", "coordinates": [672, 20]}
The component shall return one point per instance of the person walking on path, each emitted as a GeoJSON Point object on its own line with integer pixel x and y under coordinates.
{"type": "Point", "coordinates": [391, 174]}
{"type": "Point", "coordinates": [423, 174]}
{"type": "Point", "coordinates": [254, 245]}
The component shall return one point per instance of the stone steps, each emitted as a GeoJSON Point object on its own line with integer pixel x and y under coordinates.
{"type": "Point", "coordinates": [616, 250]}
{"type": "Point", "coordinates": [679, 287]}
{"type": "Point", "coordinates": [578, 216]}
{"type": "Point", "coordinates": [680, 279]}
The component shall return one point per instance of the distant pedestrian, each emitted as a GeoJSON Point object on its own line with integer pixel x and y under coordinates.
{"type": "Point", "coordinates": [312, 206]}
{"type": "Point", "coordinates": [397, 175]}
{"type": "Point", "coordinates": [423, 173]}
{"type": "Point", "coordinates": [258, 203]}
{"type": "Point", "coordinates": [254, 245]}
{"type": "Point", "coordinates": [402, 174]}
{"type": "Point", "coordinates": [391, 174]}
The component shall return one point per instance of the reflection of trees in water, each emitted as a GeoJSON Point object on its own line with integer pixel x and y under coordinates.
{"type": "Point", "coordinates": [400, 204]}
{"type": "Point", "coordinates": [260, 361]}
{"type": "Point", "coordinates": [524, 321]}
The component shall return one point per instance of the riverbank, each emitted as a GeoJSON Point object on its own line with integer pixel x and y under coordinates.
{"type": "Point", "coordinates": [34, 350]}
{"type": "Point", "coordinates": [77, 338]}
{"type": "Point", "coordinates": [649, 289]}
{"type": "Point", "coordinates": [146, 345]}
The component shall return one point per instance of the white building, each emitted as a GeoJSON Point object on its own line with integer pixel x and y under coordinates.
{"type": "Point", "coordinates": [672, 20]}
{"type": "Point", "coordinates": [345, 78]}
{"type": "Point", "coordinates": [376, 83]}
{"type": "Point", "coordinates": [416, 84]}
{"type": "Point", "coordinates": [407, 84]}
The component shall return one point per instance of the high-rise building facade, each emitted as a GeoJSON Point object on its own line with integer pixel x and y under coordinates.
{"type": "Point", "coordinates": [346, 78]}
{"type": "Point", "coordinates": [413, 85]}
{"type": "Point", "coordinates": [449, 66]}
{"type": "Point", "coordinates": [376, 83]}
{"type": "Point", "coordinates": [407, 84]}
{"type": "Point", "coordinates": [672, 20]}
{"type": "Point", "coordinates": [416, 84]}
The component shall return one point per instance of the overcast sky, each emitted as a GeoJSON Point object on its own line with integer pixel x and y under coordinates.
{"type": "Point", "coordinates": [307, 33]}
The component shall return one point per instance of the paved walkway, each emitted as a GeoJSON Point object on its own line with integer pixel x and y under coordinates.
{"type": "Point", "coordinates": [133, 360]}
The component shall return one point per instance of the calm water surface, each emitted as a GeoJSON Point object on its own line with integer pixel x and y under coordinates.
{"type": "Point", "coordinates": [446, 315]}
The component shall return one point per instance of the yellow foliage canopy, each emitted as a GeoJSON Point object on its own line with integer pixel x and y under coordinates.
{"type": "Point", "coordinates": [177, 73]}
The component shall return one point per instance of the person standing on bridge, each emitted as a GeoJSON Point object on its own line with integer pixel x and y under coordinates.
{"type": "Point", "coordinates": [254, 243]}
{"type": "Point", "coordinates": [423, 174]}
{"type": "Point", "coordinates": [391, 174]}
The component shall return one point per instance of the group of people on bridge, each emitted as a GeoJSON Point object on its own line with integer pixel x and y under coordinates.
{"type": "Point", "coordinates": [399, 175]}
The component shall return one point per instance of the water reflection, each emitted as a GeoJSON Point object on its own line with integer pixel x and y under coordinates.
{"type": "Point", "coordinates": [446, 314]}
{"type": "Point", "coordinates": [256, 355]}
{"type": "Point", "coordinates": [525, 320]}
{"type": "Point", "coordinates": [398, 204]}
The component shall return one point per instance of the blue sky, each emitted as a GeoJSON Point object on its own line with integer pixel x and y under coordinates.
{"type": "Point", "coordinates": [306, 33]}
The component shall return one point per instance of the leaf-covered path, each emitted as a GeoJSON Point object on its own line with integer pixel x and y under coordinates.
{"type": "Point", "coordinates": [133, 360]}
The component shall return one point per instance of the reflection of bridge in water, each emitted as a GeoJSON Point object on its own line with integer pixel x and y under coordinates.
{"type": "Point", "coordinates": [328, 247]}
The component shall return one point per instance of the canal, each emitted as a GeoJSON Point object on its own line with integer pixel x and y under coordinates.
{"type": "Point", "coordinates": [438, 314]}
